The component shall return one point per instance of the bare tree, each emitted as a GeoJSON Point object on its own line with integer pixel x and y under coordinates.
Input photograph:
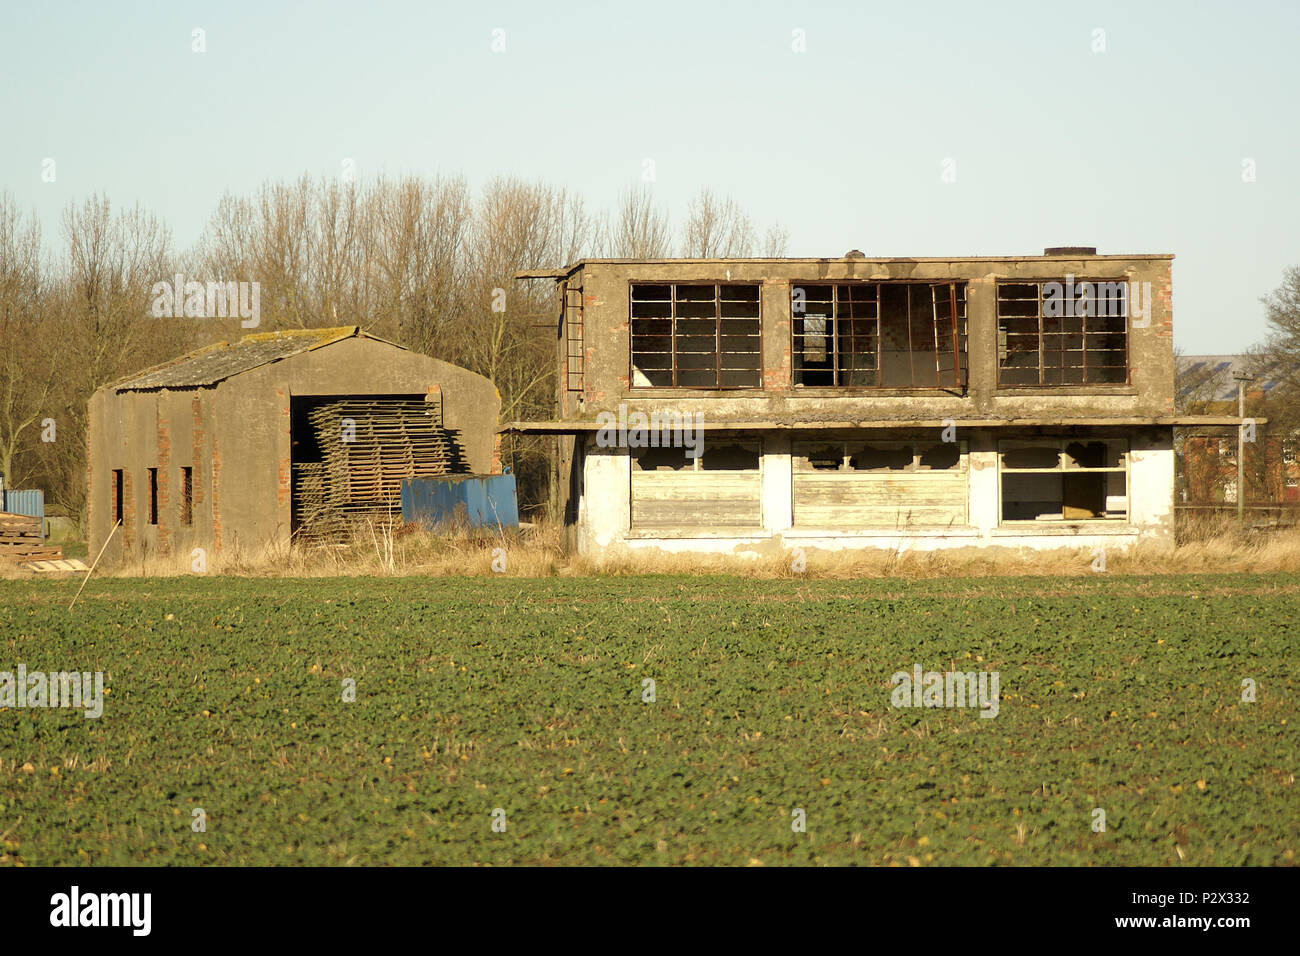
{"type": "Point", "coordinates": [519, 226]}
{"type": "Point", "coordinates": [417, 258]}
{"type": "Point", "coordinates": [100, 324]}
{"type": "Point", "coordinates": [638, 230]}
{"type": "Point", "coordinates": [716, 229]}
{"type": "Point", "coordinates": [1278, 358]}
{"type": "Point", "coordinates": [25, 376]}
{"type": "Point", "coordinates": [337, 291]}
{"type": "Point", "coordinates": [775, 241]}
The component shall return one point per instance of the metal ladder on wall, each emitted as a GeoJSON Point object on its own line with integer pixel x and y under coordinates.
{"type": "Point", "coordinates": [573, 351]}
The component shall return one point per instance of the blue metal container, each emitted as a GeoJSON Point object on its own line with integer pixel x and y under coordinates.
{"type": "Point", "coordinates": [30, 503]}
{"type": "Point", "coordinates": [475, 500]}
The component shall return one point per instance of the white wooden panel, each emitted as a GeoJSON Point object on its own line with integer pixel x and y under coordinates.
{"type": "Point", "coordinates": [880, 500]}
{"type": "Point", "coordinates": [675, 499]}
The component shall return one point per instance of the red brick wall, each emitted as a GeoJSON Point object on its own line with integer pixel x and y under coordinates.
{"type": "Point", "coordinates": [216, 513]}
{"type": "Point", "coordinates": [164, 474]}
{"type": "Point", "coordinates": [196, 487]}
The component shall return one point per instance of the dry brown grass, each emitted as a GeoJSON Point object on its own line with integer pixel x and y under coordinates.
{"type": "Point", "coordinates": [1204, 546]}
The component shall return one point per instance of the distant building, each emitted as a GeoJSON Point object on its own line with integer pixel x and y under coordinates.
{"type": "Point", "coordinates": [1207, 456]}
{"type": "Point", "coordinates": [241, 446]}
{"type": "Point", "coordinates": [856, 402]}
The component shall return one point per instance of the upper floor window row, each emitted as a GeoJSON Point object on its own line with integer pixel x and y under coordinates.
{"type": "Point", "coordinates": [879, 334]}
{"type": "Point", "coordinates": [693, 335]}
{"type": "Point", "coordinates": [1065, 332]}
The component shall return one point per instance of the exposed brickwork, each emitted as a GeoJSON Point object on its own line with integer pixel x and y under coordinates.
{"type": "Point", "coordinates": [284, 477]}
{"type": "Point", "coordinates": [128, 510]}
{"type": "Point", "coordinates": [164, 472]}
{"type": "Point", "coordinates": [778, 378]}
{"type": "Point", "coordinates": [496, 455]}
{"type": "Point", "coordinates": [196, 407]}
{"type": "Point", "coordinates": [284, 483]}
{"type": "Point", "coordinates": [216, 512]}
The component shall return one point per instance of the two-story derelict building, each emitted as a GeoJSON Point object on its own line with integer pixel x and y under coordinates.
{"type": "Point", "coordinates": [745, 405]}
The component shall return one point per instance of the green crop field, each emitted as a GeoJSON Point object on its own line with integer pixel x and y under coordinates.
{"type": "Point", "coordinates": [501, 721]}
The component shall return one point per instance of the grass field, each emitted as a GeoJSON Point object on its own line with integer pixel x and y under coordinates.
{"type": "Point", "coordinates": [1116, 693]}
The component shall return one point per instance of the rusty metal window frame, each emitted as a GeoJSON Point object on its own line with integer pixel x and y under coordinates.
{"type": "Point", "coordinates": [718, 334]}
{"type": "Point", "coordinates": [1044, 338]}
{"type": "Point", "coordinates": [955, 319]}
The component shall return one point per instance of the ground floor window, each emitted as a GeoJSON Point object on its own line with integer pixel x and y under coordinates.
{"type": "Point", "coordinates": [1065, 479]}
{"type": "Point", "coordinates": [879, 484]}
{"type": "Point", "coordinates": [720, 488]}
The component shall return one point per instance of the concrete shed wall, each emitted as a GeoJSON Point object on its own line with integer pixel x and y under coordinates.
{"type": "Point", "coordinates": [135, 431]}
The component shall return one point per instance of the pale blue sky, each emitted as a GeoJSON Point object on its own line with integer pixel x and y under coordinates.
{"type": "Point", "coordinates": [1138, 149]}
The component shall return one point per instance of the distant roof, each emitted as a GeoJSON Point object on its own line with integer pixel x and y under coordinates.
{"type": "Point", "coordinates": [1211, 376]}
{"type": "Point", "coordinates": [560, 273]}
{"type": "Point", "coordinates": [216, 363]}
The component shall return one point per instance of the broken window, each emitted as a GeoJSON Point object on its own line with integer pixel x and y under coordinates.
{"type": "Point", "coordinates": [846, 485]}
{"type": "Point", "coordinates": [879, 334]}
{"type": "Point", "coordinates": [715, 455]}
{"type": "Point", "coordinates": [1064, 479]}
{"type": "Point", "coordinates": [734, 456]}
{"type": "Point", "coordinates": [696, 336]}
{"type": "Point", "coordinates": [877, 456]}
{"type": "Point", "coordinates": [153, 495]}
{"type": "Point", "coordinates": [187, 497]}
{"type": "Point", "coordinates": [1230, 491]}
{"type": "Point", "coordinates": [719, 489]}
{"type": "Point", "coordinates": [881, 457]}
{"type": "Point", "coordinates": [826, 458]}
{"type": "Point", "coordinates": [1069, 332]}
{"type": "Point", "coordinates": [117, 495]}
{"type": "Point", "coordinates": [938, 457]}
{"type": "Point", "coordinates": [662, 459]}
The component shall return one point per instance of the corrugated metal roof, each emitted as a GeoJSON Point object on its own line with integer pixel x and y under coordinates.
{"type": "Point", "coordinates": [216, 363]}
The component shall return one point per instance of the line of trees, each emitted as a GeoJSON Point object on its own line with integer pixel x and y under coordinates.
{"type": "Point", "coordinates": [423, 262]}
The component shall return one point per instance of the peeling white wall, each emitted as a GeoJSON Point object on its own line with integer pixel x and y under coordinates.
{"type": "Point", "coordinates": [604, 513]}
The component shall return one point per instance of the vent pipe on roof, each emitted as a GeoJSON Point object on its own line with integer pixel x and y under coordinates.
{"type": "Point", "coordinates": [1070, 251]}
{"type": "Point", "coordinates": [854, 254]}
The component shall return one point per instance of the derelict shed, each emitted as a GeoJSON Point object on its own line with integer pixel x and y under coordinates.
{"type": "Point", "coordinates": [279, 437]}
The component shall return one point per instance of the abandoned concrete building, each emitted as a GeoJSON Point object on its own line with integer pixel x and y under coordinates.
{"type": "Point", "coordinates": [245, 446]}
{"type": "Point", "coordinates": [852, 402]}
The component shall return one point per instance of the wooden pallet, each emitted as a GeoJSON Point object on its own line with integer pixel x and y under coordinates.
{"type": "Point", "coordinates": [51, 566]}
{"type": "Point", "coordinates": [390, 440]}
{"type": "Point", "coordinates": [21, 539]}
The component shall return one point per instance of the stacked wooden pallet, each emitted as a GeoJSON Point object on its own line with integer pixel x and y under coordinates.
{"type": "Point", "coordinates": [369, 448]}
{"type": "Point", "coordinates": [21, 540]}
